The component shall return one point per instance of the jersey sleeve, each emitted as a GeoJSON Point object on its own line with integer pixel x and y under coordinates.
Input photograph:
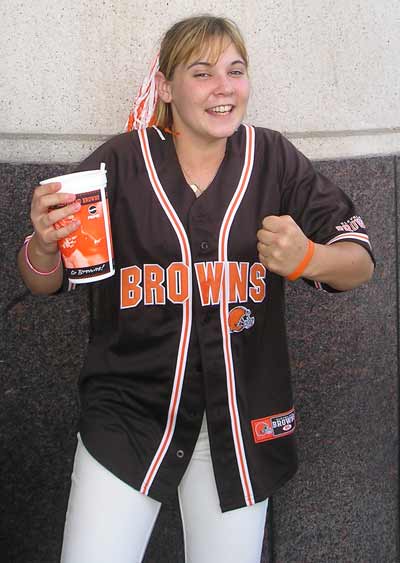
{"type": "Point", "coordinates": [322, 210]}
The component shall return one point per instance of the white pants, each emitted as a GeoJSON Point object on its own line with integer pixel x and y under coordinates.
{"type": "Point", "coordinates": [109, 522]}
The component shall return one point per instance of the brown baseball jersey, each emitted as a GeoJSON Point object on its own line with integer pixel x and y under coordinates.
{"type": "Point", "coordinates": [192, 321]}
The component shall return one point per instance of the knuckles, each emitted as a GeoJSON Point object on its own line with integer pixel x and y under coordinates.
{"type": "Point", "coordinates": [260, 234]}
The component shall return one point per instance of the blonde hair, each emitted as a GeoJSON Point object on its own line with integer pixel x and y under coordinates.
{"type": "Point", "coordinates": [191, 37]}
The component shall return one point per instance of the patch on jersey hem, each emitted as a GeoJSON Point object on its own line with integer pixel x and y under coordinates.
{"type": "Point", "coordinates": [272, 427]}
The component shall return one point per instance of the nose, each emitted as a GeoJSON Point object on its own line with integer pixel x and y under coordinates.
{"type": "Point", "coordinates": [224, 85]}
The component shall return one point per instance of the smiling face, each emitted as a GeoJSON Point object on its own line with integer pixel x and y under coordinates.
{"type": "Point", "coordinates": [208, 99]}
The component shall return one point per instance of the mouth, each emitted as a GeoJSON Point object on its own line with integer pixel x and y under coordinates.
{"type": "Point", "coordinates": [221, 110]}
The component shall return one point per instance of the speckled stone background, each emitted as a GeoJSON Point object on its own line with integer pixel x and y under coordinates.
{"type": "Point", "coordinates": [343, 504]}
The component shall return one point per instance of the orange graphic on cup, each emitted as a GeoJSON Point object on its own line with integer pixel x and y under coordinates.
{"type": "Point", "coordinates": [87, 252]}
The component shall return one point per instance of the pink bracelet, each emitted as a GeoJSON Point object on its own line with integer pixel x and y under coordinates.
{"type": "Point", "coordinates": [30, 265]}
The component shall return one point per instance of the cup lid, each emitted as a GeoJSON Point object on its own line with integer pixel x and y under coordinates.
{"type": "Point", "coordinates": [88, 179]}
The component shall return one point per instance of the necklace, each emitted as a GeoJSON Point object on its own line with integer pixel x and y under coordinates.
{"type": "Point", "coordinates": [195, 187]}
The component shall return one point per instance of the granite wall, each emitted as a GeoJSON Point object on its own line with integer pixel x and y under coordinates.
{"type": "Point", "coordinates": [343, 504]}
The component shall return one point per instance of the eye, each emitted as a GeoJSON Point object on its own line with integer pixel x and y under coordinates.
{"type": "Point", "coordinates": [237, 72]}
{"type": "Point", "coordinates": [201, 75]}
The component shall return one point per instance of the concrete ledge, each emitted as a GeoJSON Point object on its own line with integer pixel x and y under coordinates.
{"type": "Point", "coordinates": [317, 145]}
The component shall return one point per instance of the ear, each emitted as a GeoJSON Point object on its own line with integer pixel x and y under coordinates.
{"type": "Point", "coordinates": [163, 87]}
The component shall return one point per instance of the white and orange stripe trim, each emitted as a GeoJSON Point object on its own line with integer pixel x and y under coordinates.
{"type": "Point", "coordinates": [186, 320]}
{"type": "Point", "coordinates": [224, 312]}
{"type": "Point", "coordinates": [349, 236]}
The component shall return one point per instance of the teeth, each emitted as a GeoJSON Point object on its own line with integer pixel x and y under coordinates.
{"type": "Point", "coordinates": [221, 109]}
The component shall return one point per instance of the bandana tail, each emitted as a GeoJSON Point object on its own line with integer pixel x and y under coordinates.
{"type": "Point", "coordinates": [142, 114]}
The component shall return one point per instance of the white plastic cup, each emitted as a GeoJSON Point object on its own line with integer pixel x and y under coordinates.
{"type": "Point", "coordinates": [87, 252]}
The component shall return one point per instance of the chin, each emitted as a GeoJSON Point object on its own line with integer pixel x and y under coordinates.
{"type": "Point", "coordinates": [225, 132]}
{"type": "Point", "coordinates": [220, 130]}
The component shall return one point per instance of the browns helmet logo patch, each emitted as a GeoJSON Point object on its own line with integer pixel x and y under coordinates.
{"type": "Point", "coordinates": [240, 318]}
{"type": "Point", "coordinates": [263, 427]}
{"type": "Point", "coordinates": [275, 426]}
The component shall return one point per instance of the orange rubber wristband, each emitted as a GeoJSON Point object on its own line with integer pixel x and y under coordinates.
{"type": "Point", "coordinates": [304, 263]}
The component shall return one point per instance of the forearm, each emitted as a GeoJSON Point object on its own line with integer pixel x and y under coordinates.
{"type": "Point", "coordinates": [343, 265]}
{"type": "Point", "coordinates": [37, 283]}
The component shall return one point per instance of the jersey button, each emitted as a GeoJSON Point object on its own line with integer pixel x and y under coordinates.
{"type": "Point", "coordinates": [180, 454]}
{"type": "Point", "coordinates": [204, 246]}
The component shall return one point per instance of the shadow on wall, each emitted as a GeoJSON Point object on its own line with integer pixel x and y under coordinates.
{"type": "Point", "coordinates": [342, 505]}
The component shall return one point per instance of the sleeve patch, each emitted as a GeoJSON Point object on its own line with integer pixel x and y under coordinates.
{"type": "Point", "coordinates": [272, 427]}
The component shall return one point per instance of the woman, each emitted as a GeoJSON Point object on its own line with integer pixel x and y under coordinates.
{"type": "Point", "coordinates": [208, 217]}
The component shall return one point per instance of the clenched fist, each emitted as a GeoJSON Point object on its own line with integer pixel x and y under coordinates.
{"type": "Point", "coordinates": [281, 244]}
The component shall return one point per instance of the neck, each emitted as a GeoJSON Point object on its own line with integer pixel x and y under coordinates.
{"type": "Point", "coordinates": [199, 164]}
{"type": "Point", "coordinates": [197, 155]}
